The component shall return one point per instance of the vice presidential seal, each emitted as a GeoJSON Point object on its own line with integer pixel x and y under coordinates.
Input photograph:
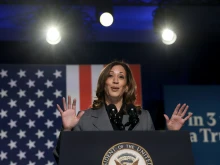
{"type": "Point", "coordinates": [127, 153]}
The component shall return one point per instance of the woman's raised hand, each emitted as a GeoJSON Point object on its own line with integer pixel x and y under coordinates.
{"type": "Point", "coordinates": [178, 117]}
{"type": "Point", "coordinates": [68, 114]}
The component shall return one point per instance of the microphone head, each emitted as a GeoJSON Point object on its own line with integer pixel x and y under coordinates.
{"type": "Point", "coordinates": [131, 109]}
{"type": "Point", "coordinates": [112, 110]}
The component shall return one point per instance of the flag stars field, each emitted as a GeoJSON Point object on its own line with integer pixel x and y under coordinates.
{"type": "Point", "coordinates": [30, 123]}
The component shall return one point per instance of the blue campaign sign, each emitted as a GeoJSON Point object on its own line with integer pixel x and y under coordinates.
{"type": "Point", "coordinates": [204, 125]}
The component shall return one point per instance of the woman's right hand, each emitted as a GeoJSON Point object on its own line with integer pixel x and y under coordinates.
{"type": "Point", "coordinates": [68, 114]}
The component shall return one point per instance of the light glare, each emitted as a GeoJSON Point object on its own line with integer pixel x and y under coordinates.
{"type": "Point", "coordinates": [106, 19]}
{"type": "Point", "coordinates": [168, 36]}
{"type": "Point", "coordinates": [53, 36]}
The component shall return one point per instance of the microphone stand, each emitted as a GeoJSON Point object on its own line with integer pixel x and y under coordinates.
{"type": "Point", "coordinates": [133, 117]}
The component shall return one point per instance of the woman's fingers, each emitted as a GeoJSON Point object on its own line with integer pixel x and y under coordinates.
{"type": "Point", "coordinates": [176, 109]}
{"type": "Point", "coordinates": [68, 105]}
{"type": "Point", "coordinates": [69, 102]}
{"type": "Point", "coordinates": [187, 117]}
{"type": "Point", "coordinates": [185, 110]}
{"type": "Point", "coordinates": [80, 114]}
{"type": "Point", "coordinates": [74, 104]}
{"type": "Point", "coordinates": [166, 117]}
{"type": "Point", "coordinates": [64, 104]}
{"type": "Point", "coordinates": [58, 107]}
{"type": "Point", "coordinates": [181, 110]}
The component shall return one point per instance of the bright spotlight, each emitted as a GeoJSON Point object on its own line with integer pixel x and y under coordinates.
{"type": "Point", "coordinates": [53, 36]}
{"type": "Point", "coordinates": [168, 36]}
{"type": "Point", "coordinates": [106, 19]}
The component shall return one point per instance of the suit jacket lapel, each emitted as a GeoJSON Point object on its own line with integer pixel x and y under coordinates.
{"type": "Point", "coordinates": [137, 127]}
{"type": "Point", "coordinates": [101, 120]}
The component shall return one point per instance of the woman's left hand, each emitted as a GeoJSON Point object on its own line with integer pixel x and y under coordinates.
{"type": "Point", "coordinates": [177, 119]}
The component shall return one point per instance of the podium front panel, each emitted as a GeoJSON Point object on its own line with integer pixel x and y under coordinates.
{"type": "Point", "coordinates": [126, 148]}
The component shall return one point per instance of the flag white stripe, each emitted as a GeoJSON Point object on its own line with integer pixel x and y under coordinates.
{"type": "Point", "coordinates": [95, 69]}
{"type": "Point", "coordinates": [72, 83]}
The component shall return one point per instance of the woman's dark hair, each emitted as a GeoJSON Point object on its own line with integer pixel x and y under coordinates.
{"type": "Point", "coordinates": [129, 96]}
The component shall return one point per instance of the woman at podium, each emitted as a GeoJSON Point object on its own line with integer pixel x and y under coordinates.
{"type": "Point", "coordinates": [114, 108]}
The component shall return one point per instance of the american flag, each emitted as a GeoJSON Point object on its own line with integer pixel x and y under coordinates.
{"type": "Point", "coordinates": [29, 121]}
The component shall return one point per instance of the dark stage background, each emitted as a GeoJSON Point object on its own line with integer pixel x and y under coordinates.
{"type": "Point", "coordinates": [192, 60]}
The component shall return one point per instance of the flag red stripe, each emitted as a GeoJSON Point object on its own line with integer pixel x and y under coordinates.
{"type": "Point", "coordinates": [85, 86]}
{"type": "Point", "coordinates": [136, 70]}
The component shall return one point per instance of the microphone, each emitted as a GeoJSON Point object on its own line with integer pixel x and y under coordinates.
{"type": "Point", "coordinates": [133, 116]}
{"type": "Point", "coordinates": [115, 118]}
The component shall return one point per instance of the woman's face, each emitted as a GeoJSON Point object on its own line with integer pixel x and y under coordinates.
{"type": "Point", "coordinates": [116, 83]}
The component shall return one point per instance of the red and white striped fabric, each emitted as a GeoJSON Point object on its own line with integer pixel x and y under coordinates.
{"type": "Point", "coordinates": [82, 81]}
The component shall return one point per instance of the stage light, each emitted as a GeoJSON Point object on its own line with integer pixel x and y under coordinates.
{"type": "Point", "coordinates": [106, 19]}
{"type": "Point", "coordinates": [104, 13]}
{"type": "Point", "coordinates": [53, 36]}
{"type": "Point", "coordinates": [168, 36]}
{"type": "Point", "coordinates": [166, 24]}
{"type": "Point", "coordinates": [56, 24]}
